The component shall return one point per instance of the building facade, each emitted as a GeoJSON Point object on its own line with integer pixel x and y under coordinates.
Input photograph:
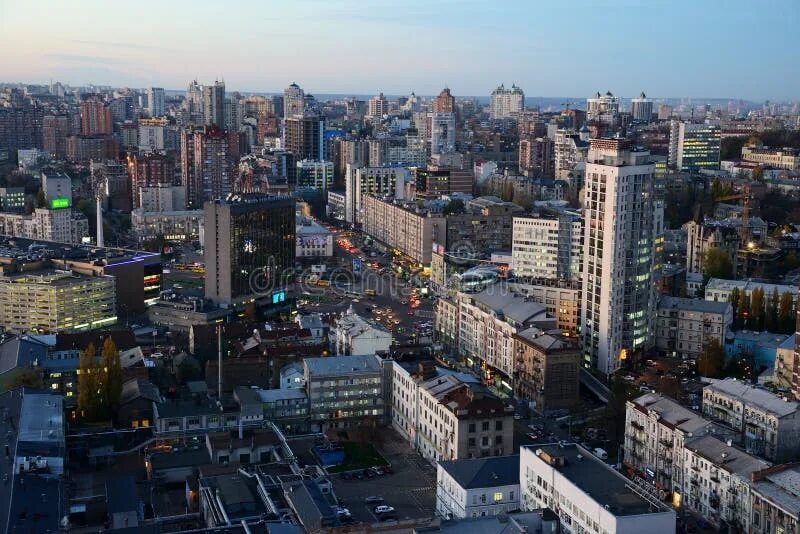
{"type": "Point", "coordinates": [685, 326]}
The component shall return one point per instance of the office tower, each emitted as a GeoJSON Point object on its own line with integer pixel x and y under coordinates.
{"type": "Point", "coordinates": [55, 130]}
{"type": "Point", "coordinates": [293, 100]}
{"type": "Point", "coordinates": [694, 147]}
{"type": "Point", "coordinates": [363, 181]}
{"type": "Point", "coordinates": [205, 165]}
{"type": "Point", "coordinates": [537, 157]}
{"type": "Point", "coordinates": [304, 135]}
{"type": "Point", "coordinates": [95, 116]}
{"type": "Point", "coordinates": [150, 170]}
{"type": "Point", "coordinates": [315, 175]}
{"type": "Point", "coordinates": [506, 102]}
{"type": "Point", "coordinates": [249, 249]}
{"type": "Point", "coordinates": [642, 108]}
{"type": "Point", "coordinates": [664, 112]}
{"type": "Point", "coordinates": [194, 103]}
{"type": "Point", "coordinates": [444, 103]}
{"type": "Point", "coordinates": [616, 297]}
{"type": "Point", "coordinates": [443, 133]}
{"type": "Point", "coordinates": [214, 104]}
{"type": "Point", "coordinates": [155, 101]}
{"type": "Point", "coordinates": [378, 107]}
{"type": "Point", "coordinates": [603, 108]}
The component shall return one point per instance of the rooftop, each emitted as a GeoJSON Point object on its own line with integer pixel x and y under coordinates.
{"type": "Point", "coordinates": [726, 457]}
{"type": "Point", "coordinates": [509, 305]}
{"type": "Point", "coordinates": [483, 472]}
{"type": "Point", "coordinates": [599, 481]}
{"type": "Point", "coordinates": [781, 485]}
{"type": "Point", "coordinates": [671, 413]}
{"type": "Point", "coordinates": [342, 365]}
{"type": "Point", "coordinates": [692, 305]}
{"type": "Point", "coordinates": [753, 396]}
{"type": "Point", "coordinates": [723, 284]}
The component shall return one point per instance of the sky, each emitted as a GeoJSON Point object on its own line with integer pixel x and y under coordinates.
{"type": "Point", "coordinates": [667, 48]}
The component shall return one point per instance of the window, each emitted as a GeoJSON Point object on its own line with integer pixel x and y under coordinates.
{"type": "Point", "coordinates": [498, 496]}
{"type": "Point", "coordinates": [483, 498]}
{"type": "Point", "coordinates": [471, 442]}
{"type": "Point", "coordinates": [485, 426]}
{"type": "Point", "coordinates": [472, 428]}
{"type": "Point", "coordinates": [498, 425]}
{"type": "Point", "coordinates": [498, 440]}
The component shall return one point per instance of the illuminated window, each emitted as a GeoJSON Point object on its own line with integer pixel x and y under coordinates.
{"type": "Point", "coordinates": [498, 497]}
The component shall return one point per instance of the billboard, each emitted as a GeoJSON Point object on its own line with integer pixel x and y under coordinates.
{"type": "Point", "coordinates": [57, 203]}
{"type": "Point", "coordinates": [356, 266]}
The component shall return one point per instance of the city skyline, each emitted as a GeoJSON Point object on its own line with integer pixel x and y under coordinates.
{"type": "Point", "coordinates": [358, 47]}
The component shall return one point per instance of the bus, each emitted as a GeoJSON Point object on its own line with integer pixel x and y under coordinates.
{"type": "Point", "coordinates": [370, 292]}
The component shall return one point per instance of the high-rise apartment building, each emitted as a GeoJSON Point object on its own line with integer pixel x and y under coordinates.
{"type": "Point", "coordinates": [548, 245]}
{"type": "Point", "coordinates": [537, 157]}
{"type": "Point", "coordinates": [603, 108]}
{"type": "Point", "coordinates": [55, 130]}
{"type": "Point", "coordinates": [214, 104]}
{"type": "Point", "coordinates": [249, 249]}
{"type": "Point", "coordinates": [443, 133]}
{"type": "Point", "coordinates": [445, 102]}
{"type": "Point", "coordinates": [694, 147]}
{"type": "Point", "coordinates": [205, 165]}
{"type": "Point", "coordinates": [95, 116]}
{"type": "Point", "coordinates": [617, 297]}
{"type": "Point", "coordinates": [506, 102]}
{"type": "Point", "coordinates": [642, 108]}
{"type": "Point", "coordinates": [304, 135]}
{"type": "Point", "coordinates": [155, 101]}
{"type": "Point", "coordinates": [362, 181]}
{"type": "Point", "coordinates": [293, 100]}
{"type": "Point", "coordinates": [150, 170]}
{"type": "Point", "coordinates": [377, 107]}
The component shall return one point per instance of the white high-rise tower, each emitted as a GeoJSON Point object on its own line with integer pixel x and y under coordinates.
{"type": "Point", "coordinates": [616, 297]}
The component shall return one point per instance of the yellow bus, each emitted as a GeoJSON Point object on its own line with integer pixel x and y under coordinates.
{"type": "Point", "coordinates": [370, 292]}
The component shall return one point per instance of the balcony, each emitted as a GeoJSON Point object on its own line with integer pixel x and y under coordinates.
{"type": "Point", "coordinates": [666, 443]}
{"type": "Point", "coordinates": [637, 426]}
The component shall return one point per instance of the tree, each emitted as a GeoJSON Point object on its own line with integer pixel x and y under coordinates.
{"type": "Point", "coordinates": [28, 378]}
{"type": "Point", "coordinates": [717, 264]}
{"type": "Point", "coordinates": [786, 320]}
{"type": "Point", "coordinates": [112, 368]}
{"type": "Point", "coordinates": [755, 321]}
{"type": "Point", "coordinates": [41, 200]}
{"type": "Point", "coordinates": [88, 398]}
{"type": "Point", "coordinates": [744, 310]}
{"type": "Point", "coordinates": [771, 312]}
{"type": "Point", "coordinates": [711, 360]}
{"type": "Point", "coordinates": [758, 173]}
{"type": "Point", "coordinates": [454, 207]}
{"type": "Point", "coordinates": [735, 299]}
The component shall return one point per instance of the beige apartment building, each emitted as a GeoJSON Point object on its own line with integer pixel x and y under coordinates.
{"type": "Point", "coordinates": [404, 227]}
{"type": "Point", "coordinates": [783, 158]}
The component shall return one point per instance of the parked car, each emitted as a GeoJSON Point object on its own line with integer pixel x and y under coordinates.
{"type": "Point", "coordinates": [377, 470]}
{"type": "Point", "coordinates": [601, 453]}
{"type": "Point", "coordinates": [373, 499]}
{"type": "Point", "coordinates": [383, 509]}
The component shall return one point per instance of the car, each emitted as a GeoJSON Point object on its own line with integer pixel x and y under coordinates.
{"type": "Point", "coordinates": [343, 512]}
{"type": "Point", "coordinates": [368, 473]}
{"type": "Point", "coordinates": [373, 499]}
{"type": "Point", "coordinates": [410, 313]}
{"type": "Point", "coordinates": [404, 302]}
{"type": "Point", "coordinates": [383, 509]}
{"type": "Point", "coordinates": [628, 378]}
{"type": "Point", "coordinates": [650, 363]}
{"type": "Point", "coordinates": [377, 470]}
{"type": "Point", "coordinates": [359, 475]}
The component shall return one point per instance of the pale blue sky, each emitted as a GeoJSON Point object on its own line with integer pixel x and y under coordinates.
{"type": "Point", "coordinates": [674, 48]}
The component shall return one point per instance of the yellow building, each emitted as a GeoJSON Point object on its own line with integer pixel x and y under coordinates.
{"type": "Point", "coordinates": [56, 301]}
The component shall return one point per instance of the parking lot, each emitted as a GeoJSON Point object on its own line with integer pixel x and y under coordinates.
{"type": "Point", "coordinates": [410, 489]}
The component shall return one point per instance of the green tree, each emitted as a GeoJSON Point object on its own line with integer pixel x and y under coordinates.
{"type": "Point", "coordinates": [771, 312]}
{"type": "Point", "coordinates": [758, 173]}
{"type": "Point", "coordinates": [717, 264]}
{"type": "Point", "coordinates": [619, 394]}
{"type": "Point", "coordinates": [711, 360]}
{"type": "Point", "coordinates": [786, 319]}
{"type": "Point", "coordinates": [88, 394]}
{"type": "Point", "coordinates": [755, 321]}
{"type": "Point", "coordinates": [112, 368]}
{"type": "Point", "coordinates": [41, 200]}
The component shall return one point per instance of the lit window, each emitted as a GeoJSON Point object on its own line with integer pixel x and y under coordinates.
{"type": "Point", "coordinates": [498, 497]}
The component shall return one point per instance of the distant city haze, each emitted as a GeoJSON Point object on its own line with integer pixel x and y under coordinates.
{"type": "Point", "coordinates": [675, 48]}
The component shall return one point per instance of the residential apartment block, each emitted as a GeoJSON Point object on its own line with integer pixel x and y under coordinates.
{"type": "Point", "coordinates": [547, 369]}
{"type": "Point", "coordinates": [477, 487]}
{"type": "Point", "coordinates": [403, 226]}
{"type": "Point", "coordinates": [685, 326]}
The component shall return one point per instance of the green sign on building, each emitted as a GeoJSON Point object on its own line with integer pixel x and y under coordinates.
{"type": "Point", "coordinates": [59, 203]}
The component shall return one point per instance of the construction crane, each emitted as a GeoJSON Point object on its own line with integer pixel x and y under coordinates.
{"type": "Point", "coordinates": [744, 197]}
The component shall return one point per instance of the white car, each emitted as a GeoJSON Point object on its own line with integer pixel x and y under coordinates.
{"type": "Point", "coordinates": [383, 509]}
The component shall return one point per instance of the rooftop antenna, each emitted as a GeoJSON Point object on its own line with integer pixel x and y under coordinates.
{"type": "Point", "coordinates": [98, 180]}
